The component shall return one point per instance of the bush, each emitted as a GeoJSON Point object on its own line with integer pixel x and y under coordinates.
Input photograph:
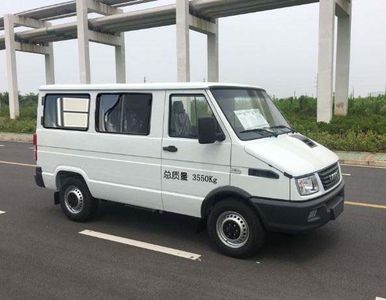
{"type": "Point", "coordinates": [26, 123]}
{"type": "Point", "coordinates": [363, 129]}
{"type": "Point", "coordinates": [351, 141]}
{"type": "Point", "coordinates": [19, 125]}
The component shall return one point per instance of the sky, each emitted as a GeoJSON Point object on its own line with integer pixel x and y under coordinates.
{"type": "Point", "coordinates": [276, 49]}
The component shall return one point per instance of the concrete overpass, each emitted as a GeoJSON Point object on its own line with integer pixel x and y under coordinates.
{"type": "Point", "coordinates": [198, 15]}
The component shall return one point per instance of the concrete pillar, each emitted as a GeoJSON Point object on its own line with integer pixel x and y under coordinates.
{"type": "Point", "coordinates": [50, 68]}
{"type": "Point", "coordinates": [83, 40]}
{"type": "Point", "coordinates": [326, 59]}
{"type": "Point", "coordinates": [120, 61]}
{"type": "Point", "coordinates": [213, 59]}
{"type": "Point", "coordinates": [182, 28]}
{"type": "Point", "coordinates": [342, 75]}
{"type": "Point", "coordinates": [10, 55]}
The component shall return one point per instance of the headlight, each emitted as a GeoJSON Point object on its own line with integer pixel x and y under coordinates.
{"type": "Point", "coordinates": [307, 185]}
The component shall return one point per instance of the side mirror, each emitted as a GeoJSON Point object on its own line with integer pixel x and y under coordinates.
{"type": "Point", "coordinates": [207, 133]}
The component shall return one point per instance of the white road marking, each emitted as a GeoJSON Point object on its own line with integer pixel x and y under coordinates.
{"type": "Point", "coordinates": [379, 298]}
{"type": "Point", "coordinates": [2, 212]}
{"type": "Point", "coordinates": [2, 145]}
{"type": "Point", "coordinates": [140, 244]}
{"type": "Point", "coordinates": [16, 164]}
{"type": "Point", "coordinates": [346, 174]}
{"type": "Point", "coordinates": [31, 148]}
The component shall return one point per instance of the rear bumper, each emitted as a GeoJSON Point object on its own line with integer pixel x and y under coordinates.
{"type": "Point", "coordinates": [291, 216]}
{"type": "Point", "coordinates": [39, 177]}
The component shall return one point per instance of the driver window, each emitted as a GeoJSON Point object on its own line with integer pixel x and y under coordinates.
{"type": "Point", "coordinates": [185, 110]}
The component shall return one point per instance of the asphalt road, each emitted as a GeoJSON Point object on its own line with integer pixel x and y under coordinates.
{"type": "Point", "coordinates": [42, 254]}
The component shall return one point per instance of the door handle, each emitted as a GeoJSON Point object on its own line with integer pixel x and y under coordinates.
{"type": "Point", "coordinates": [170, 148]}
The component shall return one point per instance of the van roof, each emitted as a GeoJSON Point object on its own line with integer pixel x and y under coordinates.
{"type": "Point", "coordinates": [140, 86]}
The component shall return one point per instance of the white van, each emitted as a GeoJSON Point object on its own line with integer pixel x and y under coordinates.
{"type": "Point", "coordinates": [219, 152]}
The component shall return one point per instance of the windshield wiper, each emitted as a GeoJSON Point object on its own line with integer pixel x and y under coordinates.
{"type": "Point", "coordinates": [282, 127]}
{"type": "Point", "coordinates": [260, 130]}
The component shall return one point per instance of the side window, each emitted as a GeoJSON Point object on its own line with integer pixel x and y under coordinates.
{"type": "Point", "coordinates": [66, 111]}
{"type": "Point", "coordinates": [124, 113]}
{"type": "Point", "coordinates": [185, 110]}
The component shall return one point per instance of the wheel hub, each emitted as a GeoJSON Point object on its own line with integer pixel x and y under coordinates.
{"type": "Point", "coordinates": [232, 229]}
{"type": "Point", "coordinates": [73, 199]}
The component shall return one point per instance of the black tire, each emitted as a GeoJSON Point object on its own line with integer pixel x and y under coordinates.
{"type": "Point", "coordinates": [76, 200]}
{"type": "Point", "coordinates": [230, 215]}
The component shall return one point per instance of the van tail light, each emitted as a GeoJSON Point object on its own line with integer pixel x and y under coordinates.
{"type": "Point", "coordinates": [35, 145]}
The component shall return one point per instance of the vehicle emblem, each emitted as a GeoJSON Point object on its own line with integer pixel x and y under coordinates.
{"type": "Point", "coordinates": [333, 176]}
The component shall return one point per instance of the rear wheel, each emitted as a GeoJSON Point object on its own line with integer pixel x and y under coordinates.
{"type": "Point", "coordinates": [76, 200]}
{"type": "Point", "coordinates": [235, 228]}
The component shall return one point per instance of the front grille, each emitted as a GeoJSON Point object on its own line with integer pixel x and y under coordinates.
{"type": "Point", "coordinates": [330, 176]}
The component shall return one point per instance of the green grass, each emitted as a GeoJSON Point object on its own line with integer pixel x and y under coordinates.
{"type": "Point", "coordinates": [364, 129]}
{"type": "Point", "coordinates": [26, 123]}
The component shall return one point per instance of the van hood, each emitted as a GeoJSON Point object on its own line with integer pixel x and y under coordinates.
{"type": "Point", "coordinates": [290, 154]}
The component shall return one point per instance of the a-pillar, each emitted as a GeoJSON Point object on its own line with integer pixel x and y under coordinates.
{"type": "Point", "coordinates": [13, 94]}
{"type": "Point", "coordinates": [342, 75]}
{"type": "Point", "coordinates": [326, 60]}
{"type": "Point", "coordinates": [182, 38]}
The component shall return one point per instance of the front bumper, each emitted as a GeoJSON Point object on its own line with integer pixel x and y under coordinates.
{"type": "Point", "coordinates": [291, 216]}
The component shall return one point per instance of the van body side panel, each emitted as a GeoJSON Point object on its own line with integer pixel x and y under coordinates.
{"type": "Point", "coordinates": [165, 167]}
{"type": "Point", "coordinates": [194, 170]}
{"type": "Point", "coordinates": [117, 167]}
{"type": "Point", "coordinates": [258, 186]}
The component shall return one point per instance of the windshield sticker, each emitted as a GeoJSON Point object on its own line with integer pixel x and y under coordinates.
{"type": "Point", "coordinates": [251, 118]}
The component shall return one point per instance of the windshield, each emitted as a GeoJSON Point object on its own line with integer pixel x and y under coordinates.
{"type": "Point", "coordinates": [250, 112]}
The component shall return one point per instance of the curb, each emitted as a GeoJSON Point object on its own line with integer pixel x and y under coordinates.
{"type": "Point", "coordinates": [364, 163]}
{"type": "Point", "coordinates": [15, 137]}
{"type": "Point", "coordinates": [366, 159]}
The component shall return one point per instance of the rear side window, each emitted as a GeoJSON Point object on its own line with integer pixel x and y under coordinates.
{"type": "Point", "coordinates": [66, 111]}
{"type": "Point", "coordinates": [124, 113]}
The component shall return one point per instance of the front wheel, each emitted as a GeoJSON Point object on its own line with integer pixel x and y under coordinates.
{"type": "Point", "coordinates": [235, 228]}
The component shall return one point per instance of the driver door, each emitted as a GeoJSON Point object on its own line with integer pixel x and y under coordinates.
{"type": "Point", "coordinates": [190, 170]}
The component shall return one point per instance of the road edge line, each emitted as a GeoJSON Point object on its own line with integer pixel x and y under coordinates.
{"type": "Point", "coordinates": [365, 204]}
{"type": "Point", "coordinates": [16, 164]}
